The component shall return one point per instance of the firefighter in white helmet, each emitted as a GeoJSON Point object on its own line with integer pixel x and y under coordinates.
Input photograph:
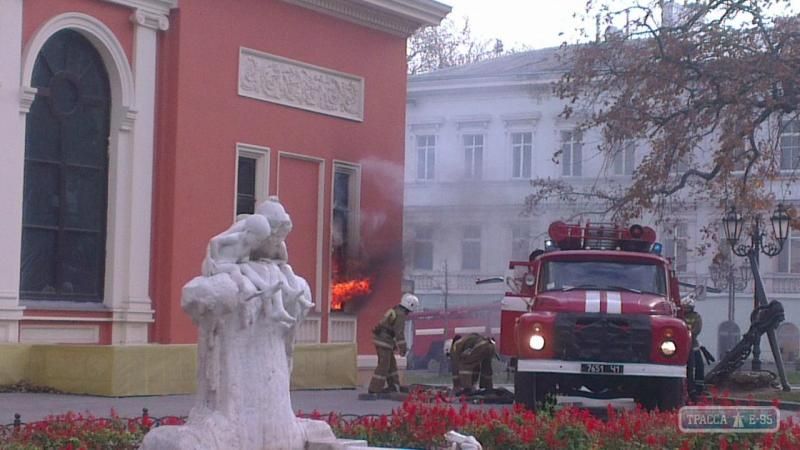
{"type": "Point", "coordinates": [388, 336]}
{"type": "Point", "coordinates": [471, 360]}
{"type": "Point", "coordinates": [695, 368]}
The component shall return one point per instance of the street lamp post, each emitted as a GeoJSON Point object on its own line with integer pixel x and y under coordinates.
{"type": "Point", "coordinates": [733, 224]}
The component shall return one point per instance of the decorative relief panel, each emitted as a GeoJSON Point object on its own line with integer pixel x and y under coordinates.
{"type": "Point", "coordinates": [292, 83]}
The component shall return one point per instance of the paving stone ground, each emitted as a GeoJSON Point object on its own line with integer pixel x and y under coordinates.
{"type": "Point", "coordinates": [32, 407]}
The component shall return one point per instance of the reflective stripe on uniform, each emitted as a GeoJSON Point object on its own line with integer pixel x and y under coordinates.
{"type": "Point", "coordinates": [382, 344]}
{"type": "Point", "coordinates": [380, 377]}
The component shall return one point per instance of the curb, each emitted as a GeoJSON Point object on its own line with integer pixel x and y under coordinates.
{"type": "Point", "coordinates": [783, 405]}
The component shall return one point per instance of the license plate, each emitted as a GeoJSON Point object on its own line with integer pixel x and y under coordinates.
{"type": "Point", "coordinates": [616, 369]}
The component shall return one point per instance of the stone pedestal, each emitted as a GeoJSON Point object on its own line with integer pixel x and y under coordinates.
{"type": "Point", "coordinates": [247, 305]}
{"type": "Point", "coordinates": [243, 397]}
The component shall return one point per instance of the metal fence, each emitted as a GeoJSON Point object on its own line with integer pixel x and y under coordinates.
{"type": "Point", "coordinates": [145, 420]}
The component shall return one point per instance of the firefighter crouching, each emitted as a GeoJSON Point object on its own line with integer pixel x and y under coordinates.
{"type": "Point", "coordinates": [471, 361]}
{"type": "Point", "coordinates": [388, 336]}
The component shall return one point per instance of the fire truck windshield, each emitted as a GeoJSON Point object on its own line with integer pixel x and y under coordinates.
{"type": "Point", "coordinates": [603, 275]}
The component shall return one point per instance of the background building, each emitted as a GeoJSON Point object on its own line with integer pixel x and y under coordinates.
{"type": "Point", "coordinates": [134, 130]}
{"type": "Point", "coordinates": [476, 136]}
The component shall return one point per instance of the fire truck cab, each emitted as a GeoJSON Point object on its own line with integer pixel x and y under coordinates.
{"type": "Point", "coordinates": [598, 315]}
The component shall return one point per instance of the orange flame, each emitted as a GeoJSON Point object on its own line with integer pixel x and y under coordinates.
{"type": "Point", "coordinates": [344, 291]}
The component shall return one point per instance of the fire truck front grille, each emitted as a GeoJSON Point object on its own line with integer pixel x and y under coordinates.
{"type": "Point", "coordinates": [603, 338]}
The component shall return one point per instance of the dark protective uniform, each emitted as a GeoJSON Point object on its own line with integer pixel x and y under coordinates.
{"type": "Point", "coordinates": [471, 358]}
{"type": "Point", "coordinates": [387, 336]}
{"type": "Point", "coordinates": [695, 366]}
{"type": "Point", "coordinates": [695, 323]}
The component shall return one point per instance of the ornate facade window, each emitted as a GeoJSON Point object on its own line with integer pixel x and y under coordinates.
{"type": "Point", "coordinates": [246, 185]}
{"type": "Point", "coordinates": [789, 258]}
{"type": "Point", "coordinates": [66, 173]}
{"type": "Point", "coordinates": [471, 248]}
{"type": "Point", "coordinates": [521, 241]}
{"type": "Point", "coordinates": [676, 246]}
{"type": "Point", "coordinates": [521, 154]}
{"type": "Point", "coordinates": [571, 154]}
{"type": "Point", "coordinates": [625, 159]}
{"type": "Point", "coordinates": [790, 145]}
{"type": "Point", "coordinates": [252, 177]}
{"type": "Point", "coordinates": [426, 157]}
{"type": "Point", "coordinates": [473, 156]}
{"type": "Point", "coordinates": [423, 247]}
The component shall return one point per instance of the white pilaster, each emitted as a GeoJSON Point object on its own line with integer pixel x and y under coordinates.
{"type": "Point", "coordinates": [12, 162]}
{"type": "Point", "coordinates": [131, 318]}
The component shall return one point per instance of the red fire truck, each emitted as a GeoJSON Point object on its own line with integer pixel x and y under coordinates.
{"type": "Point", "coordinates": [431, 330]}
{"type": "Point", "coordinates": [597, 314]}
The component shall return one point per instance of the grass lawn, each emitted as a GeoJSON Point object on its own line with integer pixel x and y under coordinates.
{"type": "Point", "coordinates": [793, 377]}
{"type": "Point", "coordinates": [769, 394]}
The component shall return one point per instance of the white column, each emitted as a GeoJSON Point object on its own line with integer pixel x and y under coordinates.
{"type": "Point", "coordinates": [131, 320]}
{"type": "Point", "coordinates": [12, 162]}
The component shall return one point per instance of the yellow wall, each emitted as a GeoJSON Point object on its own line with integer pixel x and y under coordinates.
{"type": "Point", "coordinates": [14, 362]}
{"type": "Point", "coordinates": [124, 370]}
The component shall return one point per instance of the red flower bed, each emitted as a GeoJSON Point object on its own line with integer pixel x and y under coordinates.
{"type": "Point", "coordinates": [422, 421]}
{"type": "Point", "coordinates": [73, 431]}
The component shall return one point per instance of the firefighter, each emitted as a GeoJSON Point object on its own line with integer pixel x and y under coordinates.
{"type": "Point", "coordinates": [388, 336]}
{"type": "Point", "coordinates": [471, 361]}
{"type": "Point", "coordinates": [695, 324]}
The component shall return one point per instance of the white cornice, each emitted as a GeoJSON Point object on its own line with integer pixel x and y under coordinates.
{"type": "Point", "coordinates": [151, 6]}
{"type": "Point", "coordinates": [398, 17]}
{"type": "Point", "coordinates": [478, 83]}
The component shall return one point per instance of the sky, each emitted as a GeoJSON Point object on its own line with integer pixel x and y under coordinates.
{"type": "Point", "coordinates": [529, 24]}
{"type": "Point", "coordinates": [518, 23]}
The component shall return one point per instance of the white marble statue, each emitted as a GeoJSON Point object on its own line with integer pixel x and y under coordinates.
{"type": "Point", "coordinates": [247, 305]}
{"type": "Point", "coordinates": [228, 252]}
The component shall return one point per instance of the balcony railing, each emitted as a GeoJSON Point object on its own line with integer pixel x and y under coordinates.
{"type": "Point", "coordinates": [781, 283]}
{"type": "Point", "coordinates": [775, 283]}
{"type": "Point", "coordinates": [343, 328]}
{"type": "Point", "coordinates": [435, 282]}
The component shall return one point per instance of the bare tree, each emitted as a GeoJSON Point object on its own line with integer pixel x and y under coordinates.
{"type": "Point", "coordinates": [708, 87]}
{"type": "Point", "coordinates": [449, 44]}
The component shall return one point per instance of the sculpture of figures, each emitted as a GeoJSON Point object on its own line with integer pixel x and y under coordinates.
{"type": "Point", "coordinates": [299, 307]}
{"type": "Point", "coordinates": [229, 251]}
{"type": "Point", "coordinates": [244, 367]}
{"type": "Point", "coordinates": [275, 246]}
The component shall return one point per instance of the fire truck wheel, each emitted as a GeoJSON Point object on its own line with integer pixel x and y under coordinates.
{"type": "Point", "coordinates": [647, 398]}
{"type": "Point", "coordinates": [530, 390]}
{"type": "Point", "coordinates": [524, 390]}
{"type": "Point", "coordinates": [671, 394]}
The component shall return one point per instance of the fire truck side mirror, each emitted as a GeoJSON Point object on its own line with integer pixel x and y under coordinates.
{"type": "Point", "coordinates": [529, 279]}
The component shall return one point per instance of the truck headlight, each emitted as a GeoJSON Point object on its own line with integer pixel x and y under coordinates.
{"type": "Point", "coordinates": [536, 342]}
{"type": "Point", "coordinates": [668, 348]}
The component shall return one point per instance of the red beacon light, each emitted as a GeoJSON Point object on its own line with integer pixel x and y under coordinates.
{"type": "Point", "coordinates": [601, 236]}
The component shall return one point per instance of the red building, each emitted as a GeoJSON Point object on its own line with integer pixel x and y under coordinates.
{"type": "Point", "coordinates": [134, 130]}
